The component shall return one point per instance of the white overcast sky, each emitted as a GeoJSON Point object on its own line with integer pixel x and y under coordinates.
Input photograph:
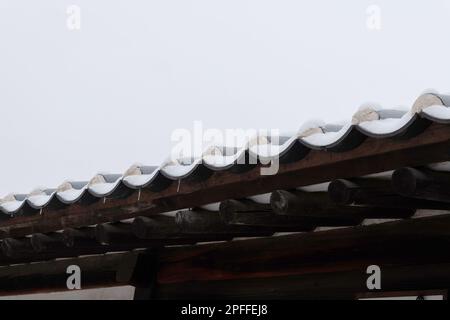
{"type": "Point", "coordinates": [74, 103]}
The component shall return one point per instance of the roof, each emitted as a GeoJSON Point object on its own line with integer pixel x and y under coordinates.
{"type": "Point", "coordinates": [313, 156]}
{"type": "Point", "coordinates": [369, 121]}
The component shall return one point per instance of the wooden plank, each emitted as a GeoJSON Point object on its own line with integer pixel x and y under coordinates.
{"type": "Point", "coordinates": [374, 155]}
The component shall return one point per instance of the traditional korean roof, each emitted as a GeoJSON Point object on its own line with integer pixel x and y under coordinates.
{"type": "Point", "coordinates": [222, 173]}
{"type": "Point", "coordinates": [368, 121]}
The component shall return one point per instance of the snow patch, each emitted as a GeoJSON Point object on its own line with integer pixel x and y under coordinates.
{"type": "Point", "coordinates": [385, 126]}
{"type": "Point", "coordinates": [261, 198]}
{"type": "Point", "coordinates": [437, 111]}
{"type": "Point", "coordinates": [327, 138]}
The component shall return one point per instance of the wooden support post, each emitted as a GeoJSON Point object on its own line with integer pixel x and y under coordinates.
{"type": "Point", "coordinates": [144, 276]}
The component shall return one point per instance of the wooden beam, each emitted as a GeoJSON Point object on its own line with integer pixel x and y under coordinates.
{"type": "Point", "coordinates": [318, 207]}
{"type": "Point", "coordinates": [229, 207]}
{"type": "Point", "coordinates": [165, 230]}
{"type": "Point", "coordinates": [422, 184]}
{"type": "Point", "coordinates": [249, 213]}
{"type": "Point", "coordinates": [376, 192]}
{"type": "Point", "coordinates": [157, 227]}
{"type": "Point", "coordinates": [47, 242]}
{"type": "Point", "coordinates": [14, 248]}
{"type": "Point", "coordinates": [361, 191]}
{"type": "Point", "coordinates": [40, 247]}
{"type": "Point", "coordinates": [96, 271]}
{"type": "Point", "coordinates": [114, 233]}
{"type": "Point", "coordinates": [124, 236]}
{"type": "Point", "coordinates": [299, 203]}
{"type": "Point", "coordinates": [372, 156]}
{"type": "Point", "coordinates": [210, 223]}
{"type": "Point", "coordinates": [79, 238]}
{"type": "Point", "coordinates": [73, 242]}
